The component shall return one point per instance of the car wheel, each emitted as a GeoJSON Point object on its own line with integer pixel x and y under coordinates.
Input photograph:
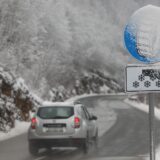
{"type": "Point", "coordinates": [49, 149]}
{"type": "Point", "coordinates": [33, 149]}
{"type": "Point", "coordinates": [95, 141]}
{"type": "Point", "coordinates": [86, 146]}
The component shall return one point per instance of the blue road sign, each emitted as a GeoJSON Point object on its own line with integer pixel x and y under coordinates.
{"type": "Point", "coordinates": [141, 35]}
{"type": "Point", "coordinates": [131, 43]}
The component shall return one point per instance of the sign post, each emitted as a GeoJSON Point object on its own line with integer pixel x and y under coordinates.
{"type": "Point", "coordinates": [152, 126]}
{"type": "Point", "coordinates": [142, 39]}
{"type": "Point", "coordinates": [142, 78]}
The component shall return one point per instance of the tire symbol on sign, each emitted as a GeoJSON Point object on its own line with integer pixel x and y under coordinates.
{"type": "Point", "coordinates": [147, 84]}
{"type": "Point", "coordinates": [152, 78]}
{"type": "Point", "coordinates": [158, 83]}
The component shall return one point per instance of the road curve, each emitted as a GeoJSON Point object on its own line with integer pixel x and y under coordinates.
{"type": "Point", "coordinates": [128, 137]}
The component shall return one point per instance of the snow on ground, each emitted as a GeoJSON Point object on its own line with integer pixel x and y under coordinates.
{"type": "Point", "coordinates": [76, 98]}
{"type": "Point", "coordinates": [20, 128]}
{"type": "Point", "coordinates": [145, 108]}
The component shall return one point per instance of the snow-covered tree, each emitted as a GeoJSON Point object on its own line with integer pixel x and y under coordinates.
{"type": "Point", "coordinates": [55, 37]}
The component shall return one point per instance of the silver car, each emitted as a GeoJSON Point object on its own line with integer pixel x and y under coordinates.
{"type": "Point", "coordinates": [62, 125]}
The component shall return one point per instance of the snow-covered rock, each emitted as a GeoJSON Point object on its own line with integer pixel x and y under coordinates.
{"type": "Point", "coordinates": [16, 100]}
{"type": "Point", "coordinates": [90, 82]}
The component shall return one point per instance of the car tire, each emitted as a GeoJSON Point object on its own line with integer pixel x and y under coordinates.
{"type": "Point", "coordinates": [86, 145]}
{"type": "Point", "coordinates": [33, 149]}
{"type": "Point", "coordinates": [49, 149]}
{"type": "Point", "coordinates": [95, 141]}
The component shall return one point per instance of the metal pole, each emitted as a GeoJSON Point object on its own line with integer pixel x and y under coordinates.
{"type": "Point", "coordinates": [152, 126]}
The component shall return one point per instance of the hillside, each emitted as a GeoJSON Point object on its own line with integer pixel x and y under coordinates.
{"type": "Point", "coordinates": [60, 40]}
{"type": "Point", "coordinates": [16, 100]}
{"type": "Point", "coordinates": [91, 82]}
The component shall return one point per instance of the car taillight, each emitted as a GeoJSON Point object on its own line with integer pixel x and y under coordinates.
{"type": "Point", "coordinates": [33, 123]}
{"type": "Point", "coordinates": [76, 122]}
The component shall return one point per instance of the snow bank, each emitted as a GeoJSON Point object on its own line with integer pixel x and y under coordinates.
{"type": "Point", "coordinates": [143, 107]}
{"type": "Point", "coordinates": [76, 98]}
{"type": "Point", "coordinates": [20, 128]}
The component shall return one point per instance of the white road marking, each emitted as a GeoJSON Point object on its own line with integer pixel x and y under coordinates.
{"type": "Point", "coordinates": [39, 158]}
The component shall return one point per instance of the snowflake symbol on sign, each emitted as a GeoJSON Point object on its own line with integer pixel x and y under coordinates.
{"type": "Point", "coordinates": [147, 84]}
{"type": "Point", "coordinates": [141, 77]}
{"type": "Point", "coordinates": [135, 84]}
{"type": "Point", "coordinates": [158, 83]}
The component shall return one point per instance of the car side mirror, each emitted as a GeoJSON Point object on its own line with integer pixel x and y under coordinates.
{"type": "Point", "coordinates": [93, 117]}
{"type": "Point", "coordinates": [77, 102]}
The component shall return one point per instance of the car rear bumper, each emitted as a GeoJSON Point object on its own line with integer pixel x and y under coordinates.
{"type": "Point", "coordinates": [77, 134]}
{"type": "Point", "coordinates": [71, 142]}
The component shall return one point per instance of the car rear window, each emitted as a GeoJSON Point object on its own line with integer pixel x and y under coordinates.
{"type": "Point", "coordinates": [55, 112]}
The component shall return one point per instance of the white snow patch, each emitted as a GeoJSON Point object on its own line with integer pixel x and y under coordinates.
{"type": "Point", "coordinates": [36, 98]}
{"type": "Point", "coordinates": [20, 128]}
{"type": "Point", "coordinates": [20, 84]}
{"type": "Point", "coordinates": [104, 89]}
{"type": "Point", "coordinates": [145, 24]}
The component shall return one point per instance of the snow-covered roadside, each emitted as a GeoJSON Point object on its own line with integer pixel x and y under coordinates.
{"type": "Point", "coordinates": [145, 108]}
{"type": "Point", "coordinates": [20, 128]}
{"type": "Point", "coordinates": [106, 119]}
{"type": "Point", "coordinates": [76, 98]}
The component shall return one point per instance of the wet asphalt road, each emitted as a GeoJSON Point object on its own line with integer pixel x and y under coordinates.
{"type": "Point", "coordinates": [129, 137]}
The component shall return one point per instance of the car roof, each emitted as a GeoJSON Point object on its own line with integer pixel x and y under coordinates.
{"type": "Point", "coordinates": [61, 104]}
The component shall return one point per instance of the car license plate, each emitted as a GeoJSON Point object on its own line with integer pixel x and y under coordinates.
{"type": "Point", "coordinates": [55, 130]}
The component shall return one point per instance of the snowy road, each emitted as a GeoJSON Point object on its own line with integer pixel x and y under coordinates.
{"type": "Point", "coordinates": [127, 138]}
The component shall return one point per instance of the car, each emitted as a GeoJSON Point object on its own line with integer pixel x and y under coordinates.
{"type": "Point", "coordinates": [62, 125]}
